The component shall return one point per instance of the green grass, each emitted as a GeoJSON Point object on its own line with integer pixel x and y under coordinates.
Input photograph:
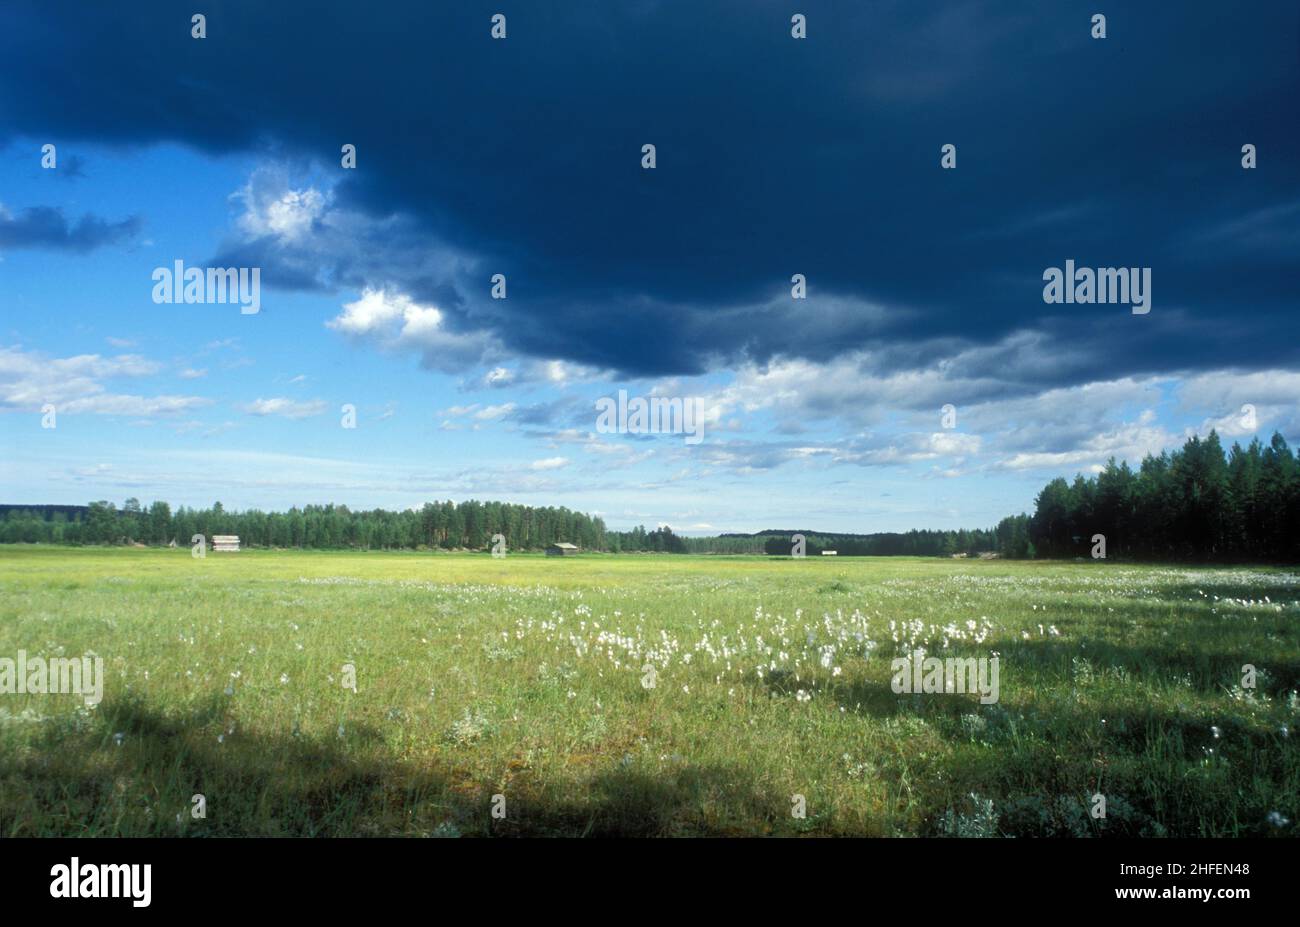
{"type": "Point", "coordinates": [522, 677]}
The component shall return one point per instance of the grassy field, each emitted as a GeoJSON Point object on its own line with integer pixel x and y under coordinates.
{"type": "Point", "coordinates": [525, 678]}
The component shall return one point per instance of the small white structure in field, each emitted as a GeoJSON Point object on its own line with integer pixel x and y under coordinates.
{"type": "Point", "coordinates": [225, 543]}
{"type": "Point", "coordinates": [830, 553]}
{"type": "Point", "coordinates": [561, 549]}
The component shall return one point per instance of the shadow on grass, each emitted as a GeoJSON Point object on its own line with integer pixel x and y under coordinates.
{"type": "Point", "coordinates": [1181, 766]}
{"type": "Point", "coordinates": [686, 800]}
{"type": "Point", "coordinates": [1208, 666]}
{"type": "Point", "coordinates": [128, 769]}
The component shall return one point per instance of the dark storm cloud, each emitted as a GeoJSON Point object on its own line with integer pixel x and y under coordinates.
{"type": "Point", "coordinates": [287, 270]}
{"type": "Point", "coordinates": [775, 156]}
{"type": "Point", "coordinates": [48, 227]}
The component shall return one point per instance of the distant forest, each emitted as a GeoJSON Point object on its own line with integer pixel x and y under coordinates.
{"type": "Point", "coordinates": [1197, 503]}
{"type": "Point", "coordinates": [1192, 504]}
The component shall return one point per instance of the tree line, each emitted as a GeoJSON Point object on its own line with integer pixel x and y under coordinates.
{"type": "Point", "coordinates": [1197, 503]}
{"type": "Point", "coordinates": [915, 543]}
{"type": "Point", "coordinates": [449, 525]}
{"type": "Point", "coordinates": [1194, 503]}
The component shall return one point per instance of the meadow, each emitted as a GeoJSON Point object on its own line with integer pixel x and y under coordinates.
{"type": "Point", "coordinates": [527, 678]}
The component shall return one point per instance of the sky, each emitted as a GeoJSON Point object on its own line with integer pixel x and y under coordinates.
{"type": "Point", "coordinates": [523, 156]}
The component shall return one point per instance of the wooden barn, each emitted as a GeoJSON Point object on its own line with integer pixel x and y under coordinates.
{"type": "Point", "coordinates": [561, 549]}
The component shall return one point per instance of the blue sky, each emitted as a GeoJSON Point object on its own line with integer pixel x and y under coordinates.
{"type": "Point", "coordinates": [522, 156]}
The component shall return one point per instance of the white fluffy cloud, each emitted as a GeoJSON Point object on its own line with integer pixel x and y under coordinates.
{"type": "Point", "coordinates": [394, 320]}
{"type": "Point", "coordinates": [271, 207]}
{"type": "Point", "coordinates": [30, 380]}
{"type": "Point", "coordinates": [550, 463]}
{"type": "Point", "coordinates": [866, 412]}
{"type": "Point", "coordinates": [285, 408]}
